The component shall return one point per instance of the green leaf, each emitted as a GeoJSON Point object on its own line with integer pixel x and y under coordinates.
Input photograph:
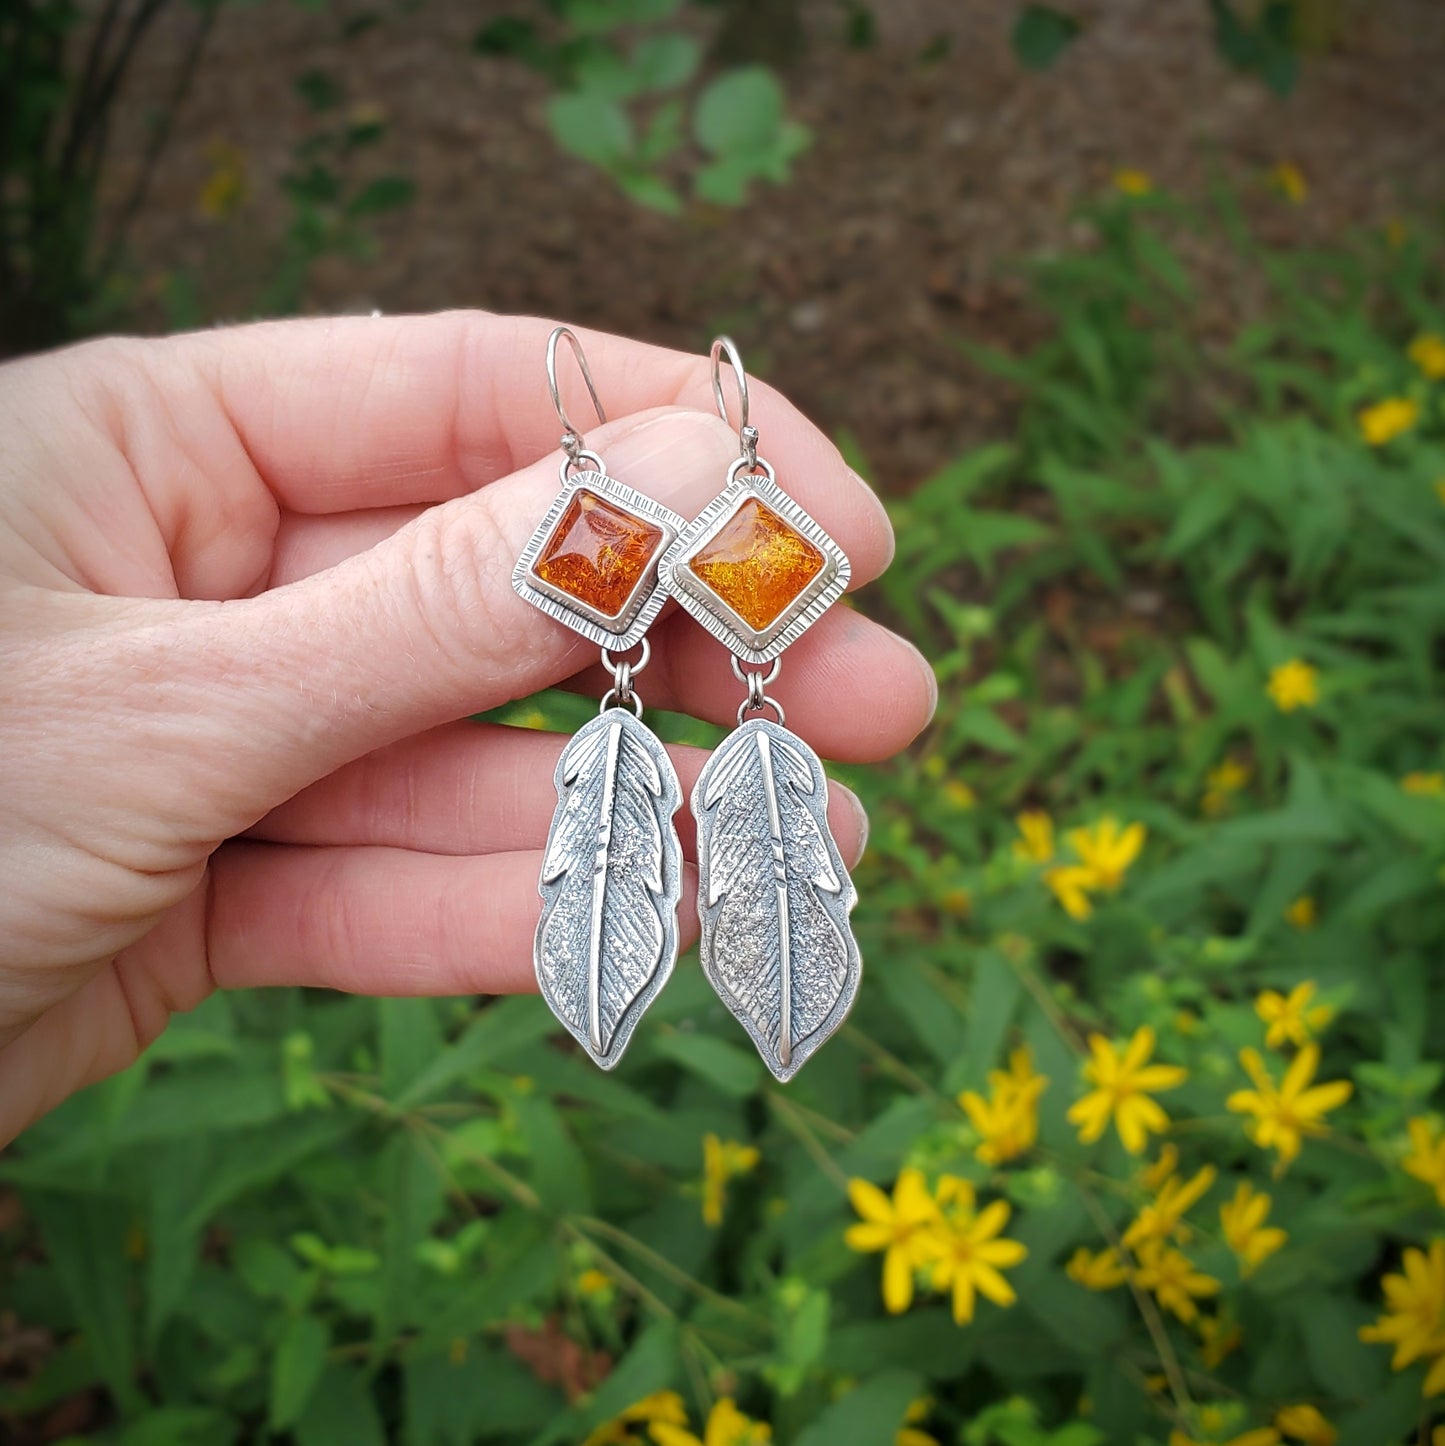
{"type": "Point", "coordinates": [592, 127]}
{"type": "Point", "coordinates": [86, 1241]}
{"type": "Point", "coordinates": [735, 1071]}
{"type": "Point", "coordinates": [867, 1416]}
{"type": "Point", "coordinates": [410, 1040]}
{"type": "Point", "coordinates": [385, 193]}
{"type": "Point", "coordinates": [339, 1410]}
{"type": "Point", "coordinates": [559, 1171]}
{"type": "Point", "coordinates": [413, 1192]}
{"type": "Point", "coordinates": [663, 62]}
{"type": "Point", "coordinates": [1041, 34]}
{"type": "Point", "coordinates": [296, 1368]}
{"type": "Point", "coordinates": [740, 112]}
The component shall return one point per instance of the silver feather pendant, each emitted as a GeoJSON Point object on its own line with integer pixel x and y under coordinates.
{"type": "Point", "coordinates": [773, 894]}
{"type": "Point", "coordinates": [611, 880]}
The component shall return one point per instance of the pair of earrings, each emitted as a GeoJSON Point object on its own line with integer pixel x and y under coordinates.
{"type": "Point", "coordinates": [774, 896]}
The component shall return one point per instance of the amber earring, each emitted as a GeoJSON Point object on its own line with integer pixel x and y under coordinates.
{"type": "Point", "coordinates": [612, 871]}
{"type": "Point", "coordinates": [773, 895]}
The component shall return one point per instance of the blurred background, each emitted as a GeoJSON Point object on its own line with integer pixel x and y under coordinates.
{"type": "Point", "coordinates": [1133, 313]}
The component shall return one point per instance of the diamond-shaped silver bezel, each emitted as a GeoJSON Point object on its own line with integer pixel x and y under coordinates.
{"type": "Point", "coordinates": [750, 644]}
{"type": "Point", "coordinates": [621, 630]}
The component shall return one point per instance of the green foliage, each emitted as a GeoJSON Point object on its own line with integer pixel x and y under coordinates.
{"type": "Point", "coordinates": [624, 102]}
{"type": "Point", "coordinates": [1042, 34]}
{"type": "Point", "coordinates": [334, 1219]}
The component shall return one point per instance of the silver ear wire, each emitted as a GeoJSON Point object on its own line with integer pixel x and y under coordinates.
{"type": "Point", "coordinates": [747, 436]}
{"type": "Point", "coordinates": [571, 433]}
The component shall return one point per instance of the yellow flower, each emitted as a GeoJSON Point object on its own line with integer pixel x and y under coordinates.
{"type": "Point", "coordinates": [1163, 1217]}
{"type": "Point", "coordinates": [1101, 1271]}
{"type": "Point", "coordinates": [1242, 1220]}
{"type": "Point", "coordinates": [722, 1160]}
{"type": "Point", "coordinates": [594, 1282]}
{"type": "Point", "coordinates": [1107, 850]}
{"type": "Point", "coordinates": [1152, 1177]}
{"type": "Point", "coordinates": [1289, 1017]}
{"type": "Point", "coordinates": [1105, 853]}
{"type": "Point", "coordinates": [1123, 1088]}
{"type": "Point", "coordinates": [897, 1228]}
{"type": "Point", "coordinates": [1070, 885]}
{"type": "Point", "coordinates": [1381, 423]}
{"type": "Point", "coordinates": [959, 794]}
{"type": "Point", "coordinates": [1305, 1423]}
{"type": "Point", "coordinates": [1414, 1316]}
{"type": "Point", "coordinates": [662, 1406]}
{"type": "Point", "coordinates": [1424, 785]}
{"type": "Point", "coordinates": [1132, 182]}
{"type": "Point", "coordinates": [1261, 1436]}
{"type": "Point", "coordinates": [1295, 684]}
{"type": "Point", "coordinates": [225, 187]}
{"type": "Point", "coordinates": [1426, 1161]}
{"type": "Point", "coordinates": [908, 1434]}
{"type": "Point", "coordinates": [1303, 913]}
{"type": "Point", "coordinates": [1219, 1338]}
{"type": "Point", "coordinates": [1427, 351]}
{"type": "Point", "coordinates": [726, 1426]}
{"type": "Point", "coordinates": [1439, 485]}
{"type": "Point", "coordinates": [1008, 1119]}
{"type": "Point", "coordinates": [968, 1253]}
{"type": "Point", "coordinates": [1220, 783]}
{"type": "Point", "coordinates": [1173, 1278]}
{"type": "Point", "coordinates": [1285, 1113]}
{"type": "Point", "coordinates": [1396, 233]}
{"type": "Point", "coordinates": [1289, 181]}
{"type": "Point", "coordinates": [1036, 836]}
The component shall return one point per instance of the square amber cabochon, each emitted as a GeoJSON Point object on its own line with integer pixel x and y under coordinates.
{"type": "Point", "coordinates": [598, 552]}
{"type": "Point", "coordinates": [758, 563]}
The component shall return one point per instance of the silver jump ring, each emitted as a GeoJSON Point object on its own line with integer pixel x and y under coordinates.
{"type": "Point", "coordinates": [643, 658]}
{"type": "Point", "coordinates": [747, 436]}
{"type": "Point", "coordinates": [771, 676]}
{"type": "Point", "coordinates": [576, 458]}
{"type": "Point", "coordinates": [571, 432]}
{"type": "Point", "coordinates": [747, 706]}
{"type": "Point", "coordinates": [611, 696]}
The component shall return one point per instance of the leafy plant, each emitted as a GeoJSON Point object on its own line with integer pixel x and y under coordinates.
{"type": "Point", "coordinates": [623, 101]}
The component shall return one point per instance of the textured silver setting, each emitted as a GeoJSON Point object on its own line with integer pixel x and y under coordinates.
{"type": "Point", "coordinates": [611, 880]}
{"type": "Point", "coordinates": [750, 644]}
{"type": "Point", "coordinates": [626, 627]}
{"type": "Point", "coordinates": [773, 894]}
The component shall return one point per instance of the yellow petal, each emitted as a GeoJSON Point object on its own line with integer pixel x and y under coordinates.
{"type": "Point", "coordinates": [992, 1284]}
{"type": "Point", "coordinates": [897, 1280]}
{"type": "Point", "coordinates": [869, 1201]}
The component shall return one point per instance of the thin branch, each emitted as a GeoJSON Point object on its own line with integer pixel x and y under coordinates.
{"type": "Point", "coordinates": [159, 137]}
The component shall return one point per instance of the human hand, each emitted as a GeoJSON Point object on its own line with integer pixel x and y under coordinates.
{"type": "Point", "coordinates": [249, 580]}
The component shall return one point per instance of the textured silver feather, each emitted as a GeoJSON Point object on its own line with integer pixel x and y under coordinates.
{"type": "Point", "coordinates": [611, 878]}
{"type": "Point", "coordinates": [773, 895]}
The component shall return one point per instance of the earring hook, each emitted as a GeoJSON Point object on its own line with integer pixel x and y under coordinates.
{"type": "Point", "coordinates": [571, 433]}
{"type": "Point", "coordinates": [747, 436]}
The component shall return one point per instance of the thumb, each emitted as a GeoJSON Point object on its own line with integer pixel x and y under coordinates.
{"type": "Point", "coordinates": [421, 629]}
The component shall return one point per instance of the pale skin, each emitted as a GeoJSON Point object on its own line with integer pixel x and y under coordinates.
{"type": "Point", "coordinates": [252, 584]}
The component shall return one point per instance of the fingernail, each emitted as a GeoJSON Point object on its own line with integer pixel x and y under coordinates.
{"type": "Point", "coordinates": [883, 517]}
{"type": "Point", "coordinates": [930, 677]}
{"type": "Point", "coordinates": [861, 814]}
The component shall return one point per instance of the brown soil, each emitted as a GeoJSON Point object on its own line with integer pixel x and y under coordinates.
{"type": "Point", "coordinates": [849, 286]}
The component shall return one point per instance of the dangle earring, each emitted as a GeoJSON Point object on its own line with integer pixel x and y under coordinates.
{"type": "Point", "coordinates": [612, 871]}
{"type": "Point", "coordinates": [773, 895]}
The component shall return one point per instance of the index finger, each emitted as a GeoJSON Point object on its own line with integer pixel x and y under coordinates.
{"type": "Point", "coordinates": [359, 412]}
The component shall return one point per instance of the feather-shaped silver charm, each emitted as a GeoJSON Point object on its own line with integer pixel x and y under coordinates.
{"type": "Point", "coordinates": [611, 879]}
{"type": "Point", "coordinates": [773, 894]}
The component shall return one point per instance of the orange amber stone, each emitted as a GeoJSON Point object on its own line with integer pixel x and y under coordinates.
{"type": "Point", "coordinates": [597, 552]}
{"type": "Point", "coordinates": [758, 564]}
